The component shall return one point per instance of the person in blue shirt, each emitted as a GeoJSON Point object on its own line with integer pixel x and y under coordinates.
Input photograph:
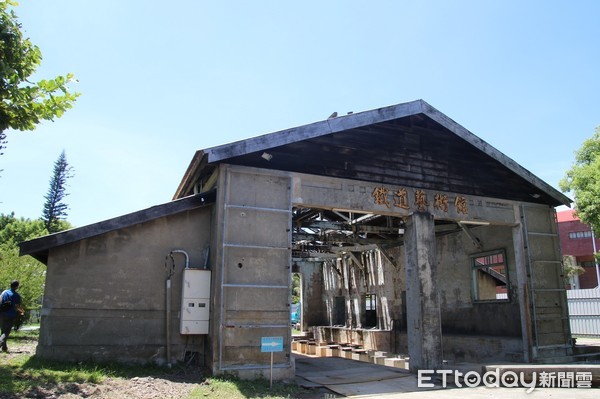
{"type": "Point", "coordinates": [7, 317]}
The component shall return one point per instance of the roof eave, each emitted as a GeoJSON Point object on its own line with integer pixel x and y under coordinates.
{"type": "Point", "coordinates": [488, 149]}
{"type": "Point", "coordinates": [191, 175]}
{"type": "Point", "coordinates": [312, 130]}
{"type": "Point", "coordinates": [346, 122]}
{"type": "Point", "coordinates": [39, 247]}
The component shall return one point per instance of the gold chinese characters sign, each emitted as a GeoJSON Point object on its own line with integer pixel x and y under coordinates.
{"type": "Point", "coordinates": [400, 199]}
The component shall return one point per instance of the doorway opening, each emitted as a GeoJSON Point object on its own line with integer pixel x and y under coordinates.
{"type": "Point", "coordinates": [296, 307]}
{"type": "Point", "coordinates": [354, 279]}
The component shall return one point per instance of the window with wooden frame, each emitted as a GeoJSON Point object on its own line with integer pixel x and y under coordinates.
{"type": "Point", "coordinates": [490, 276]}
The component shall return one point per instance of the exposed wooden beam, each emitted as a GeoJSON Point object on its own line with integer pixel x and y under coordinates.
{"type": "Point", "coordinates": [354, 248]}
{"type": "Point", "coordinates": [387, 257]}
{"type": "Point", "coordinates": [325, 225]}
{"type": "Point", "coordinates": [476, 241]}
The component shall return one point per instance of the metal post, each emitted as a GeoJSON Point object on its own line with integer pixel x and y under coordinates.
{"type": "Point", "coordinates": [271, 378]}
{"type": "Point", "coordinates": [168, 321]}
{"type": "Point", "coordinates": [595, 260]}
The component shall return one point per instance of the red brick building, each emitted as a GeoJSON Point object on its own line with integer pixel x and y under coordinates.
{"type": "Point", "coordinates": [577, 240]}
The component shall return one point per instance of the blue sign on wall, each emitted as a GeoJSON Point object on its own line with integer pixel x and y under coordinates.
{"type": "Point", "coordinates": [271, 344]}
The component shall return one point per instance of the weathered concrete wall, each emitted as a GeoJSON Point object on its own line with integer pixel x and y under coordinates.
{"type": "Point", "coordinates": [460, 315]}
{"type": "Point", "coordinates": [550, 328]}
{"type": "Point", "coordinates": [105, 297]}
{"type": "Point", "coordinates": [424, 327]}
{"type": "Point", "coordinates": [313, 311]}
{"type": "Point", "coordinates": [252, 279]}
{"type": "Point", "coordinates": [474, 348]}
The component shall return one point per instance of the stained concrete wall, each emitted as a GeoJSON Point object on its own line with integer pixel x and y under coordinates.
{"type": "Point", "coordinates": [105, 296]}
{"type": "Point", "coordinates": [313, 311]}
{"type": "Point", "coordinates": [252, 279]}
{"type": "Point", "coordinates": [550, 329]}
{"type": "Point", "coordinates": [460, 314]}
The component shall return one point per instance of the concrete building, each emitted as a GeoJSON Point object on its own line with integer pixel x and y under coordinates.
{"type": "Point", "coordinates": [577, 240]}
{"type": "Point", "coordinates": [411, 235]}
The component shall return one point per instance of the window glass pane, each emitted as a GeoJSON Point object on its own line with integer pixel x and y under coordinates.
{"type": "Point", "coordinates": [370, 302]}
{"type": "Point", "coordinates": [580, 234]}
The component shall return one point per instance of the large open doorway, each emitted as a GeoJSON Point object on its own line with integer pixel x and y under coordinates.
{"type": "Point", "coordinates": [354, 286]}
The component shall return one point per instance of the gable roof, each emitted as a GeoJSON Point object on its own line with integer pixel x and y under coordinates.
{"type": "Point", "coordinates": [409, 144]}
{"type": "Point", "coordinates": [39, 247]}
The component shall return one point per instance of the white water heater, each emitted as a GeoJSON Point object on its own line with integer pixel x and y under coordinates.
{"type": "Point", "coordinates": [195, 301]}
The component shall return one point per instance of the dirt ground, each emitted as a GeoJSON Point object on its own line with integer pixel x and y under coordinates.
{"type": "Point", "coordinates": [170, 385]}
{"type": "Point", "coordinates": [111, 388]}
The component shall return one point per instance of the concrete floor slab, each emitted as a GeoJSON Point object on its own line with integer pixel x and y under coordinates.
{"type": "Point", "coordinates": [362, 380]}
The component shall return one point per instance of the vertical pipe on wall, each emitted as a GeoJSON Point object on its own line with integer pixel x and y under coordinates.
{"type": "Point", "coordinates": [170, 272]}
{"type": "Point", "coordinates": [168, 322]}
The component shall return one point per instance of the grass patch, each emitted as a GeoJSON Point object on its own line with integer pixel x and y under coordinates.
{"type": "Point", "coordinates": [234, 388]}
{"type": "Point", "coordinates": [24, 335]}
{"type": "Point", "coordinates": [20, 372]}
{"type": "Point", "coordinates": [24, 373]}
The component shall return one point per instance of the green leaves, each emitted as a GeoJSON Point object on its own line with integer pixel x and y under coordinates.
{"type": "Point", "coordinates": [24, 104]}
{"type": "Point", "coordinates": [583, 179]}
{"type": "Point", "coordinates": [30, 272]}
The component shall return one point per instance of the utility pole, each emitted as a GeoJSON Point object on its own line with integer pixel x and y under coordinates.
{"type": "Point", "coordinates": [596, 260]}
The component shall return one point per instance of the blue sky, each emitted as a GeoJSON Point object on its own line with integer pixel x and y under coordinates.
{"type": "Point", "coordinates": [160, 80]}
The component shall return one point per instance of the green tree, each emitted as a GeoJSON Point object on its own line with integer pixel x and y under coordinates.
{"type": "Point", "coordinates": [583, 179]}
{"type": "Point", "coordinates": [23, 103]}
{"type": "Point", "coordinates": [30, 273]}
{"type": "Point", "coordinates": [571, 268]}
{"type": "Point", "coordinates": [55, 209]}
{"type": "Point", "coordinates": [296, 288]}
